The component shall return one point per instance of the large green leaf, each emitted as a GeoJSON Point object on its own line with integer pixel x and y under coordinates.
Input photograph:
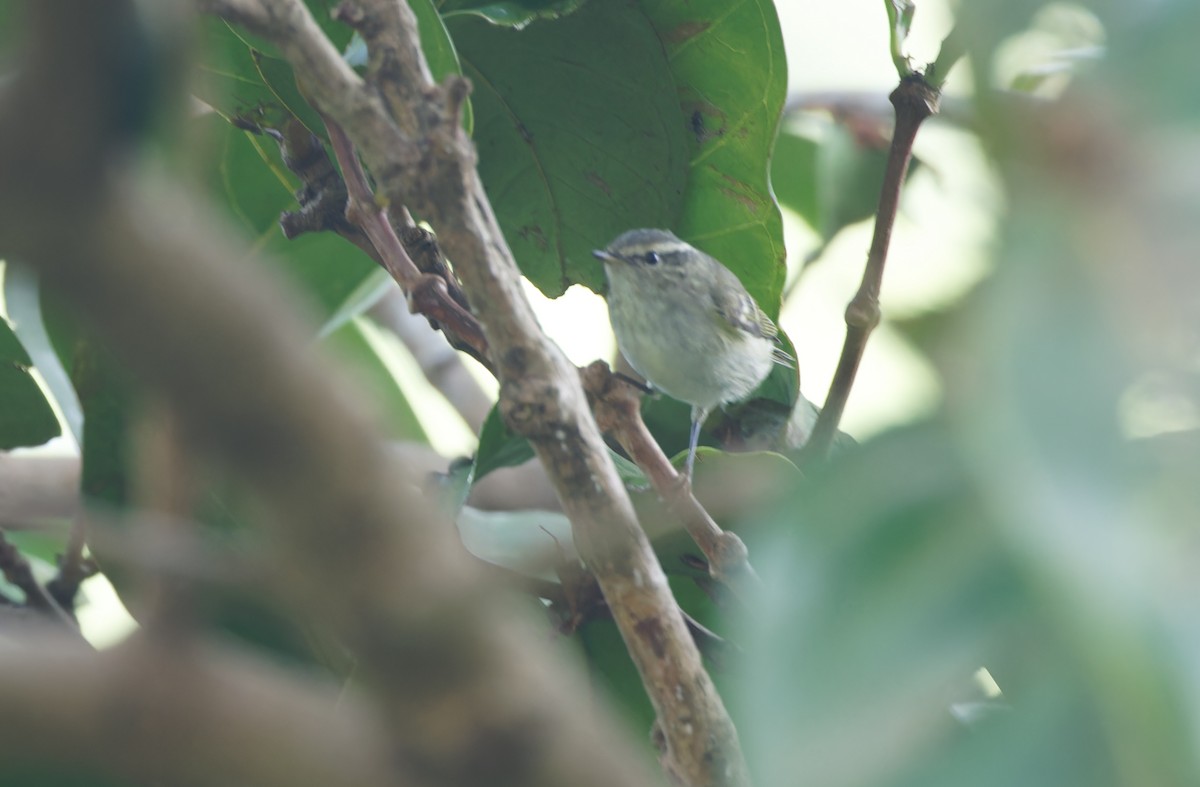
{"type": "Point", "coordinates": [512, 13]}
{"type": "Point", "coordinates": [26, 418]}
{"type": "Point", "coordinates": [728, 64]}
{"type": "Point", "coordinates": [579, 139]}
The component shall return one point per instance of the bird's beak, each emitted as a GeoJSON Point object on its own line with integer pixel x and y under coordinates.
{"type": "Point", "coordinates": [601, 254]}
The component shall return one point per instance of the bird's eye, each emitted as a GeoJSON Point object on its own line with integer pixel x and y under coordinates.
{"type": "Point", "coordinates": [652, 258]}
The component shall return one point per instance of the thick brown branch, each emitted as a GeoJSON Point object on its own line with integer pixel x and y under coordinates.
{"type": "Point", "coordinates": [145, 714]}
{"type": "Point", "coordinates": [914, 101]}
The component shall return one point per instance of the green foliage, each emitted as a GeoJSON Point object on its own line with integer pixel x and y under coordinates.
{"type": "Point", "coordinates": [578, 140]}
{"type": "Point", "coordinates": [25, 415]}
{"type": "Point", "coordinates": [511, 13]}
{"type": "Point", "coordinates": [828, 174]}
{"type": "Point", "coordinates": [729, 68]}
{"type": "Point", "coordinates": [499, 447]}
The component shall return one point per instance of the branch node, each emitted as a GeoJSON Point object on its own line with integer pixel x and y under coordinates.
{"type": "Point", "coordinates": [350, 14]}
{"type": "Point", "coordinates": [863, 312]}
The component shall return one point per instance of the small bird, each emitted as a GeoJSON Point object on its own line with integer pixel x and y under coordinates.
{"type": "Point", "coordinates": [686, 324]}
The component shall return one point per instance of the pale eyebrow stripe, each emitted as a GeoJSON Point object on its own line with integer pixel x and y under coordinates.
{"type": "Point", "coordinates": [669, 248]}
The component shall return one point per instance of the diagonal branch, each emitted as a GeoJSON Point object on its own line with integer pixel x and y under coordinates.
{"type": "Point", "coordinates": [618, 411]}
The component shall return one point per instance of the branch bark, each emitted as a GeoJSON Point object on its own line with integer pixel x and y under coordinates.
{"type": "Point", "coordinates": [153, 714]}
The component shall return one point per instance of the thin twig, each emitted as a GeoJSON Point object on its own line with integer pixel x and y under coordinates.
{"type": "Point", "coordinates": [17, 571]}
{"type": "Point", "coordinates": [914, 101]}
{"type": "Point", "coordinates": [73, 567]}
{"type": "Point", "coordinates": [323, 208]}
{"type": "Point", "coordinates": [618, 412]}
{"type": "Point", "coordinates": [426, 289]}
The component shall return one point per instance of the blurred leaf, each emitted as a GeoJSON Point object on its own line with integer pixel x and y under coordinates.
{"type": "Point", "coordinates": [353, 343]}
{"type": "Point", "coordinates": [44, 544]}
{"type": "Point", "coordinates": [511, 13]}
{"type": "Point", "coordinates": [499, 447]}
{"type": "Point", "coordinates": [794, 169]}
{"type": "Point", "coordinates": [731, 76]}
{"type": "Point", "coordinates": [235, 80]}
{"type": "Point", "coordinates": [106, 397]}
{"type": "Point", "coordinates": [358, 301]}
{"type": "Point", "coordinates": [886, 591]}
{"type": "Point", "coordinates": [523, 541]}
{"type": "Point", "coordinates": [830, 175]}
{"type": "Point", "coordinates": [1143, 61]}
{"type": "Point", "coordinates": [613, 674]}
{"type": "Point", "coordinates": [578, 140]}
{"type": "Point", "coordinates": [900, 15]}
{"type": "Point", "coordinates": [26, 418]}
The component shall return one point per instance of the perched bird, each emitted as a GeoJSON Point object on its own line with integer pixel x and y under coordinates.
{"type": "Point", "coordinates": [686, 324]}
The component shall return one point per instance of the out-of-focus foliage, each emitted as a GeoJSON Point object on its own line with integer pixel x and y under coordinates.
{"type": "Point", "coordinates": [25, 415]}
{"type": "Point", "coordinates": [1036, 527]}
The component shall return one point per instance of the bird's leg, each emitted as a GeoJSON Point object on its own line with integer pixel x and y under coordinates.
{"type": "Point", "coordinates": [699, 416]}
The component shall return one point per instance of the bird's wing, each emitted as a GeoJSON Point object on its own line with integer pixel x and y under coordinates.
{"type": "Point", "coordinates": [737, 308]}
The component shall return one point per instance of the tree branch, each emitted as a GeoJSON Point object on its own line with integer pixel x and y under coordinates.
{"type": "Point", "coordinates": [150, 714]}
{"type": "Point", "coordinates": [618, 411]}
{"type": "Point", "coordinates": [914, 101]}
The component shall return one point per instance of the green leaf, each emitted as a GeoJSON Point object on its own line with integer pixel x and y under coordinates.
{"type": "Point", "coordinates": [26, 418]}
{"type": "Point", "coordinates": [884, 587]}
{"type": "Point", "coordinates": [730, 72]}
{"type": "Point", "coordinates": [499, 447]}
{"type": "Point", "coordinates": [353, 343]}
{"type": "Point", "coordinates": [512, 13]}
{"type": "Point", "coordinates": [524, 541]}
{"type": "Point", "coordinates": [794, 169]}
{"type": "Point", "coordinates": [106, 398]}
{"type": "Point", "coordinates": [579, 140]}
{"type": "Point", "coordinates": [439, 50]}
{"type": "Point", "coordinates": [235, 80]}
{"type": "Point", "coordinates": [900, 15]}
{"type": "Point", "coordinates": [830, 175]}
{"type": "Point", "coordinates": [631, 475]}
